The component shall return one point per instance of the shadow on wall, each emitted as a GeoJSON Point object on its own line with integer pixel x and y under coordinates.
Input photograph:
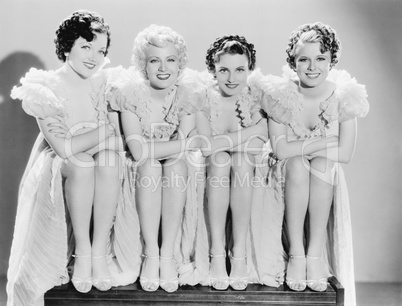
{"type": "Point", "coordinates": [18, 133]}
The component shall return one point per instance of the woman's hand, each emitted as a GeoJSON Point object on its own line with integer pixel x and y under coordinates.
{"type": "Point", "coordinates": [59, 129]}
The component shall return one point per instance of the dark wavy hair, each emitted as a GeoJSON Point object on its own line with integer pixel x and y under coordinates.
{"type": "Point", "coordinates": [312, 33]}
{"type": "Point", "coordinates": [83, 24]}
{"type": "Point", "coordinates": [230, 44]}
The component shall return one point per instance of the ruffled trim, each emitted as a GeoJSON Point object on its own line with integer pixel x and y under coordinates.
{"type": "Point", "coordinates": [283, 98]}
{"type": "Point", "coordinates": [193, 80]}
{"type": "Point", "coordinates": [247, 101]}
{"type": "Point", "coordinates": [348, 101]}
{"type": "Point", "coordinates": [113, 74]}
{"type": "Point", "coordinates": [98, 100]}
{"type": "Point", "coordinates": [245, 104]}
{"type": "Point", "coordinates": [131, 92]}
{"type": "Point", "coordinates": [215, 108]}
{"type": "Point", "coordinates": [198, 99]}
{"type": "Point", "coordinates": [350, 97]}
{"type": "Point", "coordinates": [122, 89]}
{"type": "Point", "coordinates": [37, 94]}
{"type": "Point", "coordinates": [267, 83]}
{"type": "Point", "coordinates": [190, 84]}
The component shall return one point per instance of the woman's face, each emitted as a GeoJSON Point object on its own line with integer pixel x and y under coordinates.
{"type": "Point", "coordinates": [231, 73]}
{"type": "Point", "coordinates": [312, 66]}
{"type": "Point", "coordinates": [86, 57]}
{"type": "Point", "coordinates": [162, 66]}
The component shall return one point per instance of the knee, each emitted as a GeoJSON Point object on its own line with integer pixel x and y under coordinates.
{"type": "Point", "coordinates": [107, 162]}
{"type": "Point", "coordinates": [175, 175]}
{"type": "Point", "coordinates": [106, 158]}
{"type": "Point", "coordinates": [297, 169]}
{"type": "Point", "coordinates": [219, 159]}
{"type": "Point", "coordinates": [219, 164]}
{"type": "Point", "coordinates": [80, 166]}
{"type": "Point", "coordinates": [322, 165]}
{"type": "Point", "coordinates": [242, 162]}
{"type": "Point", "coordinates": [176, 166]}
{"type": "Point", "coordinates": [150, 167]}
{"type": "Point", "coordinates": [322, 172]}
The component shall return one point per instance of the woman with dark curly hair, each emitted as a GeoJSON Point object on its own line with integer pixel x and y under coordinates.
{"type": "Point", "coordinates": [74, 164]}
{"type": "Point", "coordinates": [312, 129]}
{"type": "Point", "coordinates": [228, 114]}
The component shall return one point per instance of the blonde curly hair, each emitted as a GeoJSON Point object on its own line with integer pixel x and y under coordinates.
{"type": "Point", "coordinates": [312, 33]}
{"type": "Point", "coordinates": [158, 36]}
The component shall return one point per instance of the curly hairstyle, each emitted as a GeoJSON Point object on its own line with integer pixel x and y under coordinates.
{"type": "Point", "coordinates": [230, 44]}
{"type": "Point", "coordinates": [158, 36]}
{"type": "Point", "coordinates": [312, 33]}
{"type": "Point", "coordinates": [83, 24]}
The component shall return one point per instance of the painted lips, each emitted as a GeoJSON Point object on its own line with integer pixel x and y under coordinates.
{"type": "Point", "coordinates": [312, 75]}
{"type": "Point", "coordinates": [89, 65]}
{"type": "Point", "coordinates": [163, 77]}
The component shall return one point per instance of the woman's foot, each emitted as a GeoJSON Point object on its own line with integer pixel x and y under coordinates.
{"type": "Point", "coordinates": [217, 272]}
{"type": "Point", "coordinates": [238, 279]}
{"type": "Point", "coordinates": [168, 274]}
{"type": "Point", "coordinates": [296, 272]}
{"type": "Point", "coordinates": [101, 277]}
{"type": "Point", "coordinates": [81, 278]}
{"type": "Point", "coordinates": [316, 279]}
{"type": "Point", "coordinates": [149, 278]}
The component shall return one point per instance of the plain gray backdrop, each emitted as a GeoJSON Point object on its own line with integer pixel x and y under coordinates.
{"type": "Point", "coordinates": [370, 32]}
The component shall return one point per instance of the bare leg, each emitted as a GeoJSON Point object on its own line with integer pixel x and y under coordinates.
{"type": "Point", "coordinates": [218, 188]}
{"type": "Point", "coordinates": [149, 199]}
{"type": "Point", "coordinates": [321, 194]}
{"type": "Point", "coordinates": [240, 203]}
{"type": "Point", "coordinates": [79, 193]}
{"type": "Point", "coordinates": [107, 189]}
{"type": "Point", "coordinates": [296, 198]}
{"type": "Point", "coordinates": [173, 200]}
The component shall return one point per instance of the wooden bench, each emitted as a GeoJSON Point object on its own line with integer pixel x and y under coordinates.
{"type": "Point", "coordinates": [197, 295]}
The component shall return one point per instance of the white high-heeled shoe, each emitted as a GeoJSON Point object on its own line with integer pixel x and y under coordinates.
{"type": "Point", "coordinates": [319, 285]}
{"type": "Point", "coordinates": [81, 285]}
{"type": "Point", "coordinates": [169, 285]}
{"type": "Point", "coordinates": [147, 284]}
{"type": "Point", "coordinates": [293, 284]}
{"type": "Point", "coordinates": [238, 282]}
{"type": "Point", "coordinates": [104, 283]}
{"type": "Point", "coordinates": [221, 283]}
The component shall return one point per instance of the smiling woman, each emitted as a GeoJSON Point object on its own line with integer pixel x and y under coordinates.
{"type": "Point", "coordinates": [73, 173]}
{"type": "Point", "coordinates": [157, 121]}
{"type": "Point", "coordinates": [85, 57]}
{"type": "Point", "coordinates": [231, 74]}
{"type": "Point", "coordinates": [228, 114]}
{"type": "Point", "coordinates": [162, 69]}
{"type": "Point", "coordinates": [312, 66]}
{"type": "Point", "coordinates": [312, 129]}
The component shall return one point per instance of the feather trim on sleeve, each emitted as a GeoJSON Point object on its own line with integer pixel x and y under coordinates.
{"type": "Point", "coordinates": [125, 89]}
{"type": "Point", "coordinates": [349, 100]}
{"type": "Point", "coordinates": [38, 98]}
{"type": "Point", "coordinates": [280, 97]}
